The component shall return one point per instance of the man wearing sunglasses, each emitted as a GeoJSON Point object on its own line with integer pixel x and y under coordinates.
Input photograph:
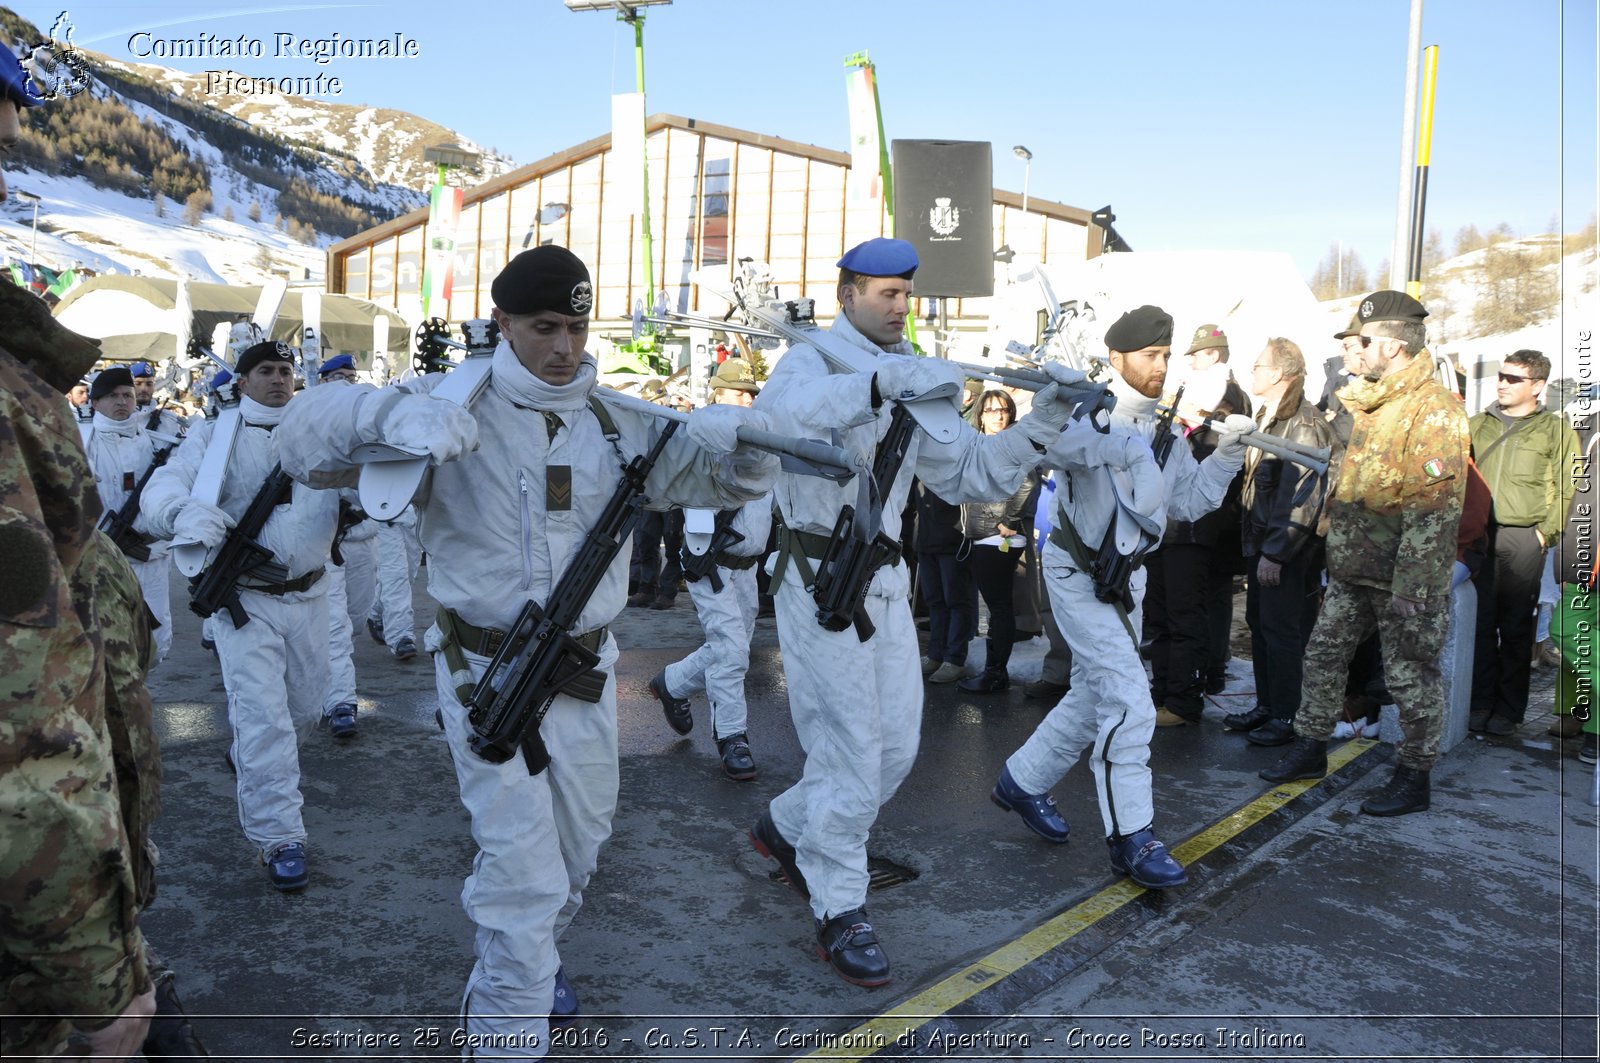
{"type": "Point", "coordinates": [1526, 453]}
{"type": "Point", "coordinates": [1393, 525]}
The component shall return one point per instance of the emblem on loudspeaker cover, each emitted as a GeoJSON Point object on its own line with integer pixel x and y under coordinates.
{"type": "Point", "coordinates": [943, 218]}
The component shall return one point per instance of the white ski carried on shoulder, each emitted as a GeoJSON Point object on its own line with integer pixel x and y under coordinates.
{"type": "Point", "coordinates": [190, 558]}
{"type": "Point", "coordinates": [390, 475]}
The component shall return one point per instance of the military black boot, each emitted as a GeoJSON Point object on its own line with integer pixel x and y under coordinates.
{"type": "Point", "coordinates": [850, 946]}
{"type": "Point", "coordinates": [1406, 792]}
{"type": "Point", "coordinates": [171, 1036]}
{"type": "Point", "coordinates": [1306, 759]}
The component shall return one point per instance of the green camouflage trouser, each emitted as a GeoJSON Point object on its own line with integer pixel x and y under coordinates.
{"type": "Point", "coordinates": [1411, 647]}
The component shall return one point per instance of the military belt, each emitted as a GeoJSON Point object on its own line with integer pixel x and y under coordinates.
{"type": "Point", "coordinates": [737, 563]}
{"type": "Point", "coordinates": [485, 641]}
{"type": "Point", "coordinates": [287, 586]}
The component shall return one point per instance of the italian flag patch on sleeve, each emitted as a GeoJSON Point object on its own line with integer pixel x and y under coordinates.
{"type": "Point", "coordinates": [1434, 468]}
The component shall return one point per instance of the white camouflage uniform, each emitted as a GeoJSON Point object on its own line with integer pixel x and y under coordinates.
{"type": "Point", "coordinates": [275, 667]}
{"type": "Point", "coordinates": [728, 616]}
{"type": "Point", "coordinates": [119, 453]}
{"type": "Point", "coordinates": [860, 748]}
{"type": "Point", "coordinates": [1109, 704]}
{"type": "Point", "coordinates": [493, 543]}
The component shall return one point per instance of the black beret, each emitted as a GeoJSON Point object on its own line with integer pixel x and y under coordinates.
{"type": "Point", "coordinates": [1390, 305]}
{"type": "Point", "coordinates": [1148, 326]}
{"type": "Point", "coordinates": [544, 278]}
{"type": "Point", "coordinates": [109, 381]}
{"type": "Point", "coordinates": [265, 351]}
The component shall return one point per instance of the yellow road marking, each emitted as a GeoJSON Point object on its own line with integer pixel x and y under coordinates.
{"type": "Point", "coordinates": [1011, 957]}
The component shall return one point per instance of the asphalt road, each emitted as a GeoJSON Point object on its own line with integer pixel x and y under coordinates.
{"type": "Point", "coordinates": [1308, 930]}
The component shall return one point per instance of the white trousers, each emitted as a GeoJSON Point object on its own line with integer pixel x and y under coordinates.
{"type": "Point", "coordinates": [341, 646]}
{"type": "Point", "coordinates": [275, 669]}
{"type": "Point", "coordinates": [718, 667]}
{"type": "Point", "coordinates": [538, 838]}
{"type": "Point", "coordinates": [857, 709]}
{"type": "Point", "coordinates": [155, 583]}
{"type": "Point", "coordinates": [398, 554]}
{"type": "Point", "coordinates": [1108, 707]}
{"type": "Point", "coordinates": [360, 579]}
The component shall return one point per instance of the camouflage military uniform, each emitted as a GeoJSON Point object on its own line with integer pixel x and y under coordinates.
{"type": "Point", "coordinates": [69, 938]}
{"type": "Point", "coordinates": [1392, 531]}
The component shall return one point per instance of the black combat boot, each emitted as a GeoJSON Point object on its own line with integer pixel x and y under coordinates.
{"type": "Point", "coordinates": [1405, 793]}
{"type": "Point", "coordinates": [1306, 759]}
{"type": "Point", "coordinates": [171, 1036]}
{"type": "Point", "coordinates": [850, 946]}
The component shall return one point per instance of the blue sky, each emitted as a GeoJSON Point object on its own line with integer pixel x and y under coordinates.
{"type": "Point", "coordinates": [1231, 124]}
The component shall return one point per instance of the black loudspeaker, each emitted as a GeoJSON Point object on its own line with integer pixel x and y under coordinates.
{"type": "Point", "coordinates": [944, 205]}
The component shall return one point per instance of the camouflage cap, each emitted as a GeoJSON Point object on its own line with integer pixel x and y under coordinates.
{"type": "Point", "coordinates": [735, 373]}
{"type": "Point", "coordinates": [653, 390]}
{"type": "Point", "coordinates": [1352, 329]}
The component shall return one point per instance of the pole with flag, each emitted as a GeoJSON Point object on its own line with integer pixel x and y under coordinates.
{"type": "Point", "coordinates": [870, 177]}
{"type": "Point", "coordinates": [1419, 178]}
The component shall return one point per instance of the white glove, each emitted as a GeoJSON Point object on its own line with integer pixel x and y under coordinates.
{"type": "Point", "coordinates": [1051, 409]}
{"type": "Point", "coordinates": [198, 522]}
{"type": "Point", "coordinates": [1230, 439]}
{"type": "Point", "coordinates": [716, 427]}
{"type": "Point", "coordinates": [903, 376]}
{"type": "Point", "coordinates": [440, 427]}
{"type": "Point", "coordinates": [1081, 446]}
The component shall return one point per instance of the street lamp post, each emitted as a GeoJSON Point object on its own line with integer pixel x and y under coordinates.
{"type": "Point", "coordinates": [1027, 168]}
{"type": "Point", "coordinates": [628, 11]}
{"type": "Point", "coordinates": [33, 247]}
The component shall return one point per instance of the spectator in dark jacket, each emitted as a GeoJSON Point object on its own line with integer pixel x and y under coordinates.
{"type": "Point", "coordinates": [995, 530]}
{"type": "Point", "coordinates": [1283, 504]}
{"type": "Point", "coordinates": [946, 585]}
{"type": "Point", "coordinates": [1188, 606]}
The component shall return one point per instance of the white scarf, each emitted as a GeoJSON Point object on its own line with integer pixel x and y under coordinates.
{"type": "Point", "coordinates": [128, 426]}
{"type": "Point", "coordinates": [1131, 403]}
{"type": "Point", "coordinates": [254, 413]}
{"type": "Point", "coordinates": [520, 387]}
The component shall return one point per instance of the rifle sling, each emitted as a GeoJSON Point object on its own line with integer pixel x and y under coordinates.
{"type": "Point", "coordinates": [1065, 536]}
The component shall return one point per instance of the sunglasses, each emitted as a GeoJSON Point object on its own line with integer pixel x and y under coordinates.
{"type": "Point", "coordinates": [1507, 378]}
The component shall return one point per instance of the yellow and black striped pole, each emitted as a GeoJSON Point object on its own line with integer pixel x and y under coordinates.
{"type": "Point", "coordinates": [1419, 178]}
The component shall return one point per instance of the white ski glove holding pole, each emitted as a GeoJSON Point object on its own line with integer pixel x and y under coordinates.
{"type": "Point", "coordinates": [1049, 412]}
{"type": "Point", "coordinates": [906, 377]}
{"type": "Point", "coordinates": [1230, 441]}
{"type": "Point", "coordinates": [199, 522]}
{"type": "Point", "coordinates": [716, 427]}
{"type": "Point", "coordinates": [438, 427]}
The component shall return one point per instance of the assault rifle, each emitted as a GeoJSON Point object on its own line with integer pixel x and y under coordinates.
{"type": "Point", "coordinates": [119, 525]}
{"type": "Point", "coordinates": [697, 567]}
{"type": "Point", "coordinates": [852, 557]}
{"type": "Point", "coordinates": [1113, 569]}
{"type": "Point", "coordinates": [539, 658]}
{"type": "Point", "coordinates": [217, 586]}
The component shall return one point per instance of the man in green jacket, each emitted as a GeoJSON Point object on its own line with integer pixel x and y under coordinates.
{"type": "Point", "coordinates": [1526, 454]}
{"type": "Point", "coordinates": [1392, 529]}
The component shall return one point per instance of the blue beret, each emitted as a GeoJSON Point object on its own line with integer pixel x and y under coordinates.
{"type": "Point", "coordinates": [139, 369]}
{"type": "Point", "coordinates": [881, 257]}
{"type": "Point", "coordinates": [14, 81]}
{"type": "Point", "coordinates": [343, 361]}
